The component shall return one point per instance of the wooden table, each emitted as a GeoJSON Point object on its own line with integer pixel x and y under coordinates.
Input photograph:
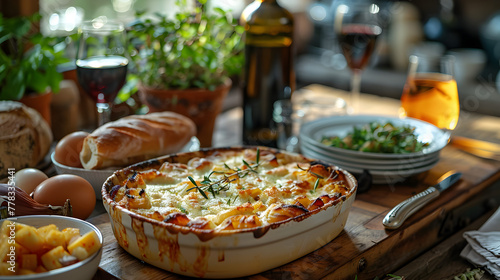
{"type": "Point", "coordinates": [364, 248]}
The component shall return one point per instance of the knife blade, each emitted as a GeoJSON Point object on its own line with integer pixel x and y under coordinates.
{"type": "Point", "coordinates": [479, 148]}
{"type": "Point", "coordinates": [475, 143]}
{"type": "Point", "coordinates": [395, 218]}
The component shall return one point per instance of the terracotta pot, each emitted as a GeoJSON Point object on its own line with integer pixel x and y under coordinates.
{"type": "Point", "coordinates": [64, 110]}
{"type": "Point", "coordinates": [201, 105]}
{"type": "Point", "coordinates": [39, 102]}
{"type": "Point", "coordinates": [87, 113]}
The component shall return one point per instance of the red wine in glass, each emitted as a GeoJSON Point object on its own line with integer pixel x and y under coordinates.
{"type": "Point", "coordinates": [101, 63]}
{"type": "Point", "coordinates": [357, 42]}
{"type": "Point", "coordinates": [102, 77]}
{"type": "Point", "coordinates": [357, 27]}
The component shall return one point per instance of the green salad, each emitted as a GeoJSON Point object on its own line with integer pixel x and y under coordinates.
{"type": "Point", "coordinates": [378, 138]}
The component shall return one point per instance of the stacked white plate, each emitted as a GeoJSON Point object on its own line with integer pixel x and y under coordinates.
{"type": "Point", "coordinates": [385, 168]}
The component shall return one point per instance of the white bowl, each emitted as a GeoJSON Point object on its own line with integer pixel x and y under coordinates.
{"type": "Point", "coordinates": [83, 270]}
{"type": "Point", "coordinates": [469, 63]}
{"type": "Point", "coordinates": [95, 177]}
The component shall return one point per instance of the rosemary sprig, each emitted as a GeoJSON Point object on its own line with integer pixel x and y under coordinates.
{"type": "Point", "coordinates": [215, 187]}
{"type": "Point", "coordinates": [251, 168]}
{"type": "Point", "coordinates": [229, 200]}
{"type": "Point", "coordinates": [316, 184]}
{"type": "Point", "coordinates": [315, 174]}
{"type": "Point", "coordinates": [197, 187]}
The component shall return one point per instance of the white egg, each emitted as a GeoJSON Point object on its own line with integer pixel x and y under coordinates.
{"type": "Point", "coordinates": [28, 179]}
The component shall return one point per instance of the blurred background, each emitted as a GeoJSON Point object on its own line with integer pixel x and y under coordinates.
{"type": "Point", "coordinates": [467, 29]}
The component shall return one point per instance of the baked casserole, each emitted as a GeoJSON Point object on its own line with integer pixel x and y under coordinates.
{"type": "Point", "coordinates": [230, 199]}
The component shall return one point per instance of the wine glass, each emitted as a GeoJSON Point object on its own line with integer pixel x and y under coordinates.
{"type": "Point", "coordinates": [430, 92]}
{"type": "Point", "coordinates": [357, 25]}
{"type": "Point", "coordinates": [101, 63]}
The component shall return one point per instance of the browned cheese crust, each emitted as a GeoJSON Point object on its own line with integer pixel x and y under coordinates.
{"type": "Point", "coordinates": [233, 190]}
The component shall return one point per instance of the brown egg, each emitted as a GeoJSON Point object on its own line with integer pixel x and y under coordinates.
{"type": "Point", "coordinates": [68, 149]}
{"type": "Point", "coordinates": [57, 189]}
{"type": "Point", "coordinates": [28, 179]}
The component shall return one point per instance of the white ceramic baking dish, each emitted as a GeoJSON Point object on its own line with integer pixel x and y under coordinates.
{"type": "Point", "coordinates": [234, 253]}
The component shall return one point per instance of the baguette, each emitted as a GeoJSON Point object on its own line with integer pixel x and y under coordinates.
{"type": "Point", "coordinates": [136, 138]}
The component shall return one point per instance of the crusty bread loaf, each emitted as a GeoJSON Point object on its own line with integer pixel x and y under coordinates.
{"type": "Point", "coordinates": [136, 138]}
{"type": "Point", "coordinates": [25, 137]}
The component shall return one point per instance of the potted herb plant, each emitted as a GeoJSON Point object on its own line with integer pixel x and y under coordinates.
{"type": "Point", "coordinates": [28, 64]}
{"type": "Point", "coordinates": [184, 64]}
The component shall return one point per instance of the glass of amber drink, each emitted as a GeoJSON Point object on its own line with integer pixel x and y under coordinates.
{"type": "Point", "coordinates": [430, 93]}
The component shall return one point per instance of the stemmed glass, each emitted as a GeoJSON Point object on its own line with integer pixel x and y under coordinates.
{"type": "Point", "coordinates": [101, 63]}
{"type": "Point", "coordinates": [357, 25]}
{"type": "Point", "coordinates": [430, 93]}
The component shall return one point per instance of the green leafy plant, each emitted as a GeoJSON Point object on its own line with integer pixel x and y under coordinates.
{"type": "Point", "coordinates": [28, 60]}
{"type": "Point", "coordinates": [198, 48]}
{"type": "Point", "coordinates": [474, 274]}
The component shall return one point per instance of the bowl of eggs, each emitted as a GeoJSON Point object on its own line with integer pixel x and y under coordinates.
{"type": "Point", "coordinates": [49, 247]}
{"type": "Point", "coordinates": [66, 160]}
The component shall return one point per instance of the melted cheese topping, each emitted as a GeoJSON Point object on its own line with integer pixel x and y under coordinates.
{"type": "Point", "coordinates": [231, 190]}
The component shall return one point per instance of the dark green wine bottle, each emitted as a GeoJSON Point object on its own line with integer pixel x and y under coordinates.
{"type": "Point", "coordinates": [269, 70]}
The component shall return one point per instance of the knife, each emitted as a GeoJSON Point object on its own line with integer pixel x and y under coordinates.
{"type": "Point", "coordinates": [395, 218]}
{"type": "Point", "coordinates": [474, 143]}
{"type": "Point", "coordinates": [479, 148]}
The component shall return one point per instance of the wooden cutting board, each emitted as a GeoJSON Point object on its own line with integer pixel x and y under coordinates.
{"type": "Point", "coordinates": [364, 248]}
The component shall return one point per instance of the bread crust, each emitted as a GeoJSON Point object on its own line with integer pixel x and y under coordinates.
{"type": "Point", "coordinates": [25, 139]}
{"type": "Point", "coordinates": [136, 138]}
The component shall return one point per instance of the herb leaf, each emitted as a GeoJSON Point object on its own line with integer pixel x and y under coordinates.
{"type": "Point", "coordinates": [202, 193]}
{"type": "Point", "coordinates": [247, 164]}
{"type": "Point", "coordinates": [316, 184]}
{"type": "Point", "coordinates": [192, 181]}
{"type": "Point", "coordinates": [215, 187]}
{"type": "Point", "coordinates": [378, 138]}
{"type": "Point", "coordinates": [197, 187]}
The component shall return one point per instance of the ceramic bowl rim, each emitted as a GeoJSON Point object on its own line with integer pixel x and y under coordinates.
{"type": "Point", "coordinates": [61, 270]}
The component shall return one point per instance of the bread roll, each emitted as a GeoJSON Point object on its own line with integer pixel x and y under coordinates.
{"type": "Point", "coordinates": [136, 138]}
{"type": "Point", "coordinates": [25, 138]}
